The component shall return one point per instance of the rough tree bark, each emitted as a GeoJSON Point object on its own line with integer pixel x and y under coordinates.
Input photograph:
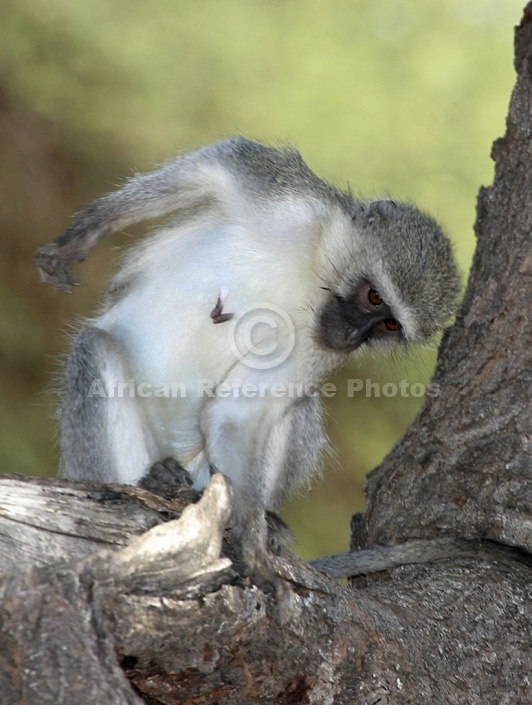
{"type": "Point", "coordinates": [111, 595]}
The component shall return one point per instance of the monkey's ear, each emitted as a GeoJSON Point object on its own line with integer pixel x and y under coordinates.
{"type": "Point", "coordinates": [383, 209]}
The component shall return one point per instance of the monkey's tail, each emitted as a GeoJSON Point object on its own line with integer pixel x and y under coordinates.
{"type": "Point", "coordinates": [379, 558]}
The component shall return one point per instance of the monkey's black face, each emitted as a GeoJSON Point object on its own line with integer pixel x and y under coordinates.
{"type": "Point", "coordinates": [346, 323]}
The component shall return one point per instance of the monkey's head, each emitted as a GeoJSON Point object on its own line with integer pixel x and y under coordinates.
{"type": "Point", "coordinates": [393, 279]}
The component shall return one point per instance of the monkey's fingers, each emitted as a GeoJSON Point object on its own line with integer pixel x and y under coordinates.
{"type": "Point", "coordinates": [55, 269]}
{"type": "Point", "coordinates": [169, 479]}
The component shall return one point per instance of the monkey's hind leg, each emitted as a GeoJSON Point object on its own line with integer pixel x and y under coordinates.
{"type": "Point", "coordinates": [103, 434]}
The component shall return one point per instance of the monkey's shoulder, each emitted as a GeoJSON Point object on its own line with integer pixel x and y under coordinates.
{"type": "Point", "coordinates": [279, 172]}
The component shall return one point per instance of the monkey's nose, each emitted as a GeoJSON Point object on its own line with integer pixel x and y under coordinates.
{"type": "Point", "coordinates": [356, 336]}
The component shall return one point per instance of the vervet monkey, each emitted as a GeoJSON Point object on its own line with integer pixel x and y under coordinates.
{"type": "Point", "coordinates": [267, 280]}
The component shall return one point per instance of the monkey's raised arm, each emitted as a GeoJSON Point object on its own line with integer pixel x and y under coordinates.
{"type": "Point", "coordinates": [216, 175]}
{"type": "Point", "coordinates": [194, 179]}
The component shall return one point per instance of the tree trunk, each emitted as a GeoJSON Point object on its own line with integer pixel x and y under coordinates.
{"type": "Point", "coordinates": [112, 595]}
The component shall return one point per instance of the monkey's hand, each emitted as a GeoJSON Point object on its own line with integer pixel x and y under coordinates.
{"type": "Point", "coordinates": [54, 266]}
{"type": "Point", "coordinates": [169, 479]}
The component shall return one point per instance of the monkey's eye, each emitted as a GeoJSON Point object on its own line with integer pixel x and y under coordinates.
{"type": "Point", "coordinates": [392, 325]}
{"type": "Point", "coordinates": [374, 298]}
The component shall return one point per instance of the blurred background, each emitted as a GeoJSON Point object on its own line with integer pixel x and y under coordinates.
{"type": "Point", "coordinates": [394, 97]}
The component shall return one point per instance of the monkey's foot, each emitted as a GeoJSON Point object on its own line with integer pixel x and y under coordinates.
{"type": "Point", "coordinates": [259, 540]}
{"type": "Point", "coordinates": [279, 534]}
{"type": "Point", "coordinates": [266, 577]}
{"type": "Point", "coordinates": [169, 479]}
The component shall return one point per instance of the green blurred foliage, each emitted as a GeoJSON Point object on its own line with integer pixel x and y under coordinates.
{"type": "Point", "coordinates": [400, 97]}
